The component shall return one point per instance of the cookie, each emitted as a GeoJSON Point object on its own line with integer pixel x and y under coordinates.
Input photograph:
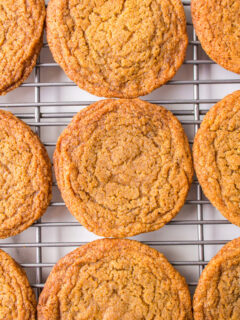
{"type": "Point", "coordinates": [217, 27]}
{"type": "Point", "coordinates": [111, 279]}
{"type": "Point", "coordinates": [218, 291]}
{"type": "Point", "coordinates": [124, 48]}
{"type": "Point", "coordinates": [17, 300]}
{"type": "Point", "coordinates": [25, 176]}
{"type": "Point", "coordinates": [123, 167]}
{"type": "Point", "coordinates": [216, 153]}
{"type": "Point", "coordinates": [21, 37]}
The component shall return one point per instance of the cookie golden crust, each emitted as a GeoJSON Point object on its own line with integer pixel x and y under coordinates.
{"type": "Point", "coordinates": [217, 157]}
{"type": "Point", "coordinates": [114, 279]}
{"type": "Point", "coordinates": [25, 176]}
{"type": "Point", "coordinates": [21, 31]}
{"type": "Point", "coordinates": [17, 300]}
{"type": "Point", "coordinates": [217, 27]}
{"type": "Point", "coordinates": [218, 291]}
{"type": "Point", "coordinates": [123, 167]}
{"type": "Point", "coordinates": [123, 48]}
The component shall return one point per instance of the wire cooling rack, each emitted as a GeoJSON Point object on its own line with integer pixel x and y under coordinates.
{"type": "Point", "coordinates": [48, 101]}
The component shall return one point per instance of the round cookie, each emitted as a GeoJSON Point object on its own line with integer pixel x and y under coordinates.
{"type": "Point", "coordinates": [217, 27]}
{"type": "Point", "coordinates": [21, 34]}
{"type": "Point", "coordinates": [124, 48]}
{"type": "Point", "coordinates": [123, 167]}
{"type": "Point", "coordinates": [218, 291]}
{"type": "Point", "coordinates": [216, 153]}
{"type": "Point", "coordinates": [25, 176]}
{"type": "Point", "coordinates": [17, 299]}
{"type": "Point", "coordinates": [112, 279]}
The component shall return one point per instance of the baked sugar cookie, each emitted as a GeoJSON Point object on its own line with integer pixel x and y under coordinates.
{"type": "Point", "coordinates": [218, 291]}
{"type": "Point", "coordinates": [217, 24]}
{"type": "Point", "coordinates": [21, 33]}
{"type": "Point", "coordinates": [17, 299]}
{"type": "Point", "coordinates": [25, 176]}
{"type": "Point", "coordinates": [216, 152]}
{"type": "Point", "coordinates": [124, 48]}
{"type": "Point", "coordinates": [114, 279]}
{"type": "Point", "coordinates": [123, 167]}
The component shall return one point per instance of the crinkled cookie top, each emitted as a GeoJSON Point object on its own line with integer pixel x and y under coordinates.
{"type": "Point", "coordinates": [112, 279]}
{"type": "Point", "coordinates": [21, 29]}
{"type": "Point", "coordinates": [218, 292]}
{"type": "Point", "coordinates": [17, 300]}
{"type": "Point", "coordinates": [216, 153]}
{"type": "Point", "coordinates": [123, 167]}
{"type": "Point", "coordinates": [217, 23]}
{"type": "Point", "coordinates": [120, 48]}
{"type": "Point", "coordinates": [25, 176]}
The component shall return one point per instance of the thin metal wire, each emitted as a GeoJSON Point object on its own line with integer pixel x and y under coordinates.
{"type": "Point", "coordinates": [171, 82]}
{"type": "Point", "coordinates": [175, 263]}
{"type": "Point", "coordinates": [77, 244]}
{"type": "Point", "coordinates": [38, 229]}
{"type": "Point", "coordinates": [174, 222]}
{"type": "Point", "coordinates": [54, 64]}
{"type": "Point", "coordinates": [62, 114]}
{"type": "Point", "coordinates": [45, 45]}
{"type": "Point", "coordinates": [41, 285]}
{"type": "Point", "coordinates": [62, 204]}
{"type": "Point", "coordinates": [196, 127]}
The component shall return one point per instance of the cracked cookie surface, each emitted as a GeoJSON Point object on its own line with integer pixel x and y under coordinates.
{"type": "Point", "coordinates": [17, 299]}
{"type": "Point", "coordinates": [218, 292]}
{"type": "Point", "coordinates": [217, 26]}
{"type": "Point", "coordinates": [216, 153]}
{"type": "Point", "coordinates": [21, 30]}
{"type": "Point", "coordinates": [123, 167]}
{"type": "Point", "coordinates": [117, 48]}
{"type": "Point", "coordinates": [25, 176]}
{"type": "Point", "coordinates": [111, 279]}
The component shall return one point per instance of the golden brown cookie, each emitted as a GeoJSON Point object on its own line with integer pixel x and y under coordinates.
{"type": "Point", "coordinates": [217, 296]}
{"type": "Point", "coordinates": [111, 279]}
{"type": "Point", "coordinates": [123, 167]}
{"type": "Point", "coordinates": [25, 176]}
{"type": "Point", "coordinates": [17, 300]}
{"type": "Point", "coordinates": [216, 152]}
{"type": "Point", "coordinates": [123, 48]}
{"type": "Point", "coordinates": [217, 27]}
{"type": "Point", "coordinates": [21, 30]}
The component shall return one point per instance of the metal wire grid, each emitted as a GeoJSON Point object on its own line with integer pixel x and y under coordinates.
{"type": "Point", "coordinates": [38, 119]}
